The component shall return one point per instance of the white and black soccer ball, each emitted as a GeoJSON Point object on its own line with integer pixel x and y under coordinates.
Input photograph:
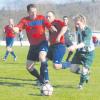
{"type": "Point", "coordinates": [46, 89]}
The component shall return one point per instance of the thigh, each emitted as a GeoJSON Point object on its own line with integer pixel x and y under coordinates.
{"type": "Point", "coordinates": [59, 52]}
{"type": "Point", "coordinates": [43, 46]}
{"type": "Point", "coordinates": [33, 53]}
{"type": "Point", "coordinates": [43, 49]}
{"type": "Point", "coordinates": [76, 58]}
{"type": "Point", "coordinates": [50, 52]}
{"type": "Point", "coordinates": [88, 59]}
{"type": "Point", "coordinates": [9, 42]}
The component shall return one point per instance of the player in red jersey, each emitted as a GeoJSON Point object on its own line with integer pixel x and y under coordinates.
{"type": "Point", "coordinates": [9, 35]}
{"type": "Point", "coordinates": [57, 48]}
{"type": "Point", "coordinates": [34, 25]}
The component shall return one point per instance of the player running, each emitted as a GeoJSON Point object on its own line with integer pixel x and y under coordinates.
{"type": "Point", "coordinates": [10, 36]}
{"type": "Point", "coordinates": [84, 50]}
{"type": "Point", "coordinates": [34, 25]}
{"type": "Point", "coordinates": [57, 48]}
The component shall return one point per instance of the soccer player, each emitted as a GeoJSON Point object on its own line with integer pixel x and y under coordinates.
{"type": "Point", "coordinates": [9, 35]}
{"type": "Point", "coordinates": [68, 36]}
{"type": "Point", "coordinates": [34, 25]}
{"type": "Point", "coordinates": [84, 50]}
{"type": "Point", "coordinates": [57, 48]}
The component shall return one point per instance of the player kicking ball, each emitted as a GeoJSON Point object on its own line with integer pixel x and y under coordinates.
{"type": "Point", "coordinates": [84, 50]}
{"type": "Point", "coordinates": [35, 25]}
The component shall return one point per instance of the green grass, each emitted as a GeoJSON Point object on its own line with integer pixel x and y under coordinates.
{"type": "Point", "coordinates": [17, 84]}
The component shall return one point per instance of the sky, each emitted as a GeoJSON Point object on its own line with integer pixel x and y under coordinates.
{"type": "Point", "coordinates": [5, 2]}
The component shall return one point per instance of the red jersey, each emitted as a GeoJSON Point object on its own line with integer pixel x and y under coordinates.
{"type": "Point", "coordinates": [53, 35]}
{"type": "Point", "coordinates": [9, 32]}
{"type": "Point", "coordinates": [35, 29]}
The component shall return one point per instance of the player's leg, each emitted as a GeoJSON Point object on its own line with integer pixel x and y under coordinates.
{"type": "Point", "coordinates": [84, 77]}
{"type": "Point", "coordinates": [30, 64]}
{"type": "Point", "coordinates": [11, 50]}
{"type": "Point", "coordinates": [59, 51]}
{"type": "Point", "coordinates": [7, 49]}
{"type": "Point", "coordinates": [76, 61]}
{"type": "Point", "coordinates": [43, 59]}
{"type": "Point", "coordinates": [69, 55]}
{"type": "Point", "coordinates": [75, 68]}
{"type": "Point", "coordinates": [87, 60]}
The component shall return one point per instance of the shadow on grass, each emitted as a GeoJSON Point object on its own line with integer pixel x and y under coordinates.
{"type": "Point", "coordinates": [35, 94]}
{"type": "Point", "coordinates": [63, 86]}
{"type": "Point", "coordinates": [10, 78]}
{"type": "Point", "coordinates": [8, 63]}
{"type": "Point", "coordinates": [6, 81]}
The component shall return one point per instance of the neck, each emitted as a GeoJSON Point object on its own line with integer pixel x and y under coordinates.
{"type": "Point", "coordinates": [11, 25]}
{"type": "Point", "coordinates": [82, 27]}
{"type": "Point", "coordinates": [32, 16]}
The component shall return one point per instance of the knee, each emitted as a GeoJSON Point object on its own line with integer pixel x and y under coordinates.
{"type": "Point", "coordinates": [9, 49]}
{"type": "Point", "coordinates": [56, 66]}
{"type": "Point", "coordinates": [42, 56]}
{"type": "Point", "coordinates": [85, 71]}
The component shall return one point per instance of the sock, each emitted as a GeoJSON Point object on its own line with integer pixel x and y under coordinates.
{"type": "Point", "coordinates": [83, 78]}
{"type": "Point", "coordinates": [13, 54]}
{"type": "Point", "coordinates": [6, 55]}
{"type": "Point", "coordinates": [69, 55]}
{"type": "Point", "coordinates": [66, 65]}
{"type": "Point", "coordinates": [44, 71]}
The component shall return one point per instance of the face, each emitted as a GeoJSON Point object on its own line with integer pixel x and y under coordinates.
{"type": "Point", "coordinates": [65, 21]}
{"type": "Point", "coordinates": [11, 22]}
{"type": "Point", "coordinates": [32, 12]}
{"type": "Point", "coordinates": [50, 16]}
{"type": "Point", "coordinates": [79, 24]}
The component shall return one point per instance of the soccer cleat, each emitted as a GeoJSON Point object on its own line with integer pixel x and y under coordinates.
{"type": "Point", "coordinates": [80, 87]}
{"type": "Point", "coordinates": [4, 59]}
{"type": "Point", "coordinates": [15, 58]}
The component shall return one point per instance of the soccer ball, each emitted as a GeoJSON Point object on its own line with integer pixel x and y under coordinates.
{"type": "Point", "coordinates": [46, 89]}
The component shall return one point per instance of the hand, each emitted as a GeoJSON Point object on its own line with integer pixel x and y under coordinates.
{"type": "Point", "coordinates": [72, 48]}
{"type": "Point", "coordinates": [53, 29]}
{"type": "Point", "coordinates": [57, 39]}
{"type": "Point", "coordinates": [16, 29]}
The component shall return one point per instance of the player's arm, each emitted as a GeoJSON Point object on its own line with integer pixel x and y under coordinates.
{"type": "Point", "coordinates": [87, 37]}
{"type": "Point", "coordinates": [20, 26]}
{"type": "Point", "coordinates": [62, 32]}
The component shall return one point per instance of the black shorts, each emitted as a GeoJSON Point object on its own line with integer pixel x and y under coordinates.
{"type": "Point", "coordinates": [33, 53]}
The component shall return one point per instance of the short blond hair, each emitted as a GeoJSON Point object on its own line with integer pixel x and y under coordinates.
{"type": "Point", "coordinates": [81, 18]}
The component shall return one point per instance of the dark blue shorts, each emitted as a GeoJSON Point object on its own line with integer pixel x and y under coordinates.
{"type": "Point", "coordinates": [9, 42]}
{"type": "Point", "coordinates": [33, 53]}
{"type": "Point", "coordinates": [56, 53]}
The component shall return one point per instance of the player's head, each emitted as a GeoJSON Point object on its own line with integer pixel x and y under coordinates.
{"type": "Point", "coordinates": [80, 21]}
{"type": "Point", "coordinates": [11, 22]}
{"type": "Point", "coordinates": [32, 10]}
{"type": "Point", "coordinates": [50, 16]}
{"type": "Point", "coordinates": [65, 19]}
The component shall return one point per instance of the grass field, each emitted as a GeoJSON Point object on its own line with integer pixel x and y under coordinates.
{"type": "Point", "coordinates": [17, 84]}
